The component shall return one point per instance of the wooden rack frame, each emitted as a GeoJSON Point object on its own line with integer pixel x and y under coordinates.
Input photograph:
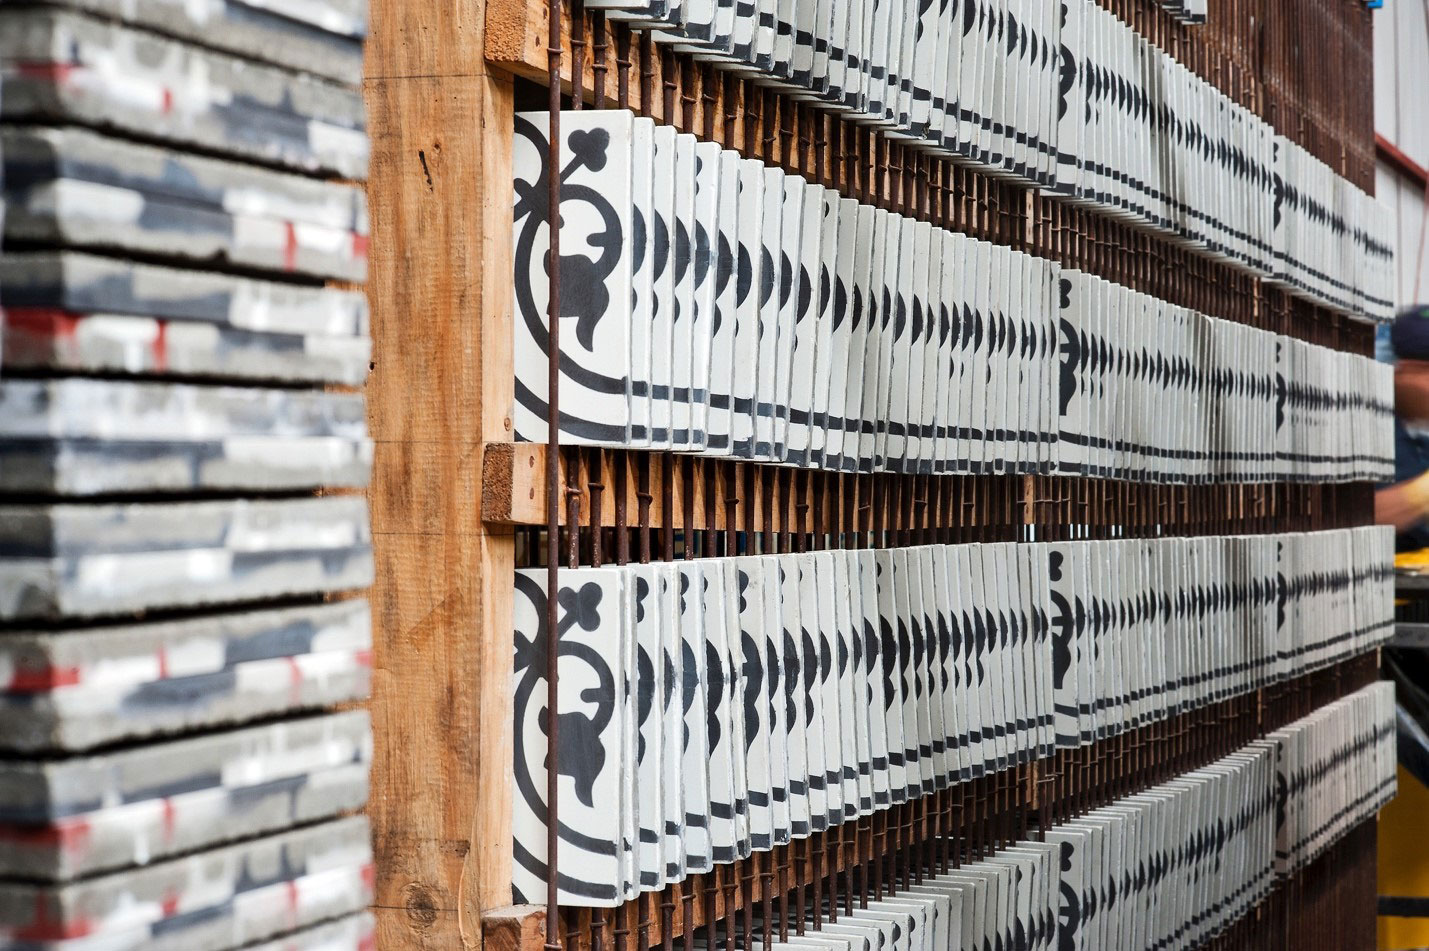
{"type": "Point", "coordinates": [450, 493]}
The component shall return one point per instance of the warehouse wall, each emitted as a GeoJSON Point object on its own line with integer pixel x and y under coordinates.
{"type": "Point", "coordinates": [1401, 115]}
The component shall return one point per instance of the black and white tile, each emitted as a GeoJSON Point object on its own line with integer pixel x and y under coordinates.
{"type": "Point", "coordinates": [596, 252]}
{"type": "Point", "coordinates": [801, 691]}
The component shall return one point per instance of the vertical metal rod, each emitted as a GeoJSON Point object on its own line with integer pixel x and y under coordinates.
{"type": "Point", "coordinates": [746, 882]}
{"type": "Point", "coordinates": [622, 67]}
{"type": "Point", "coordinates": [667, 500]}
{"type": "Point", "coordinates": [766, 894]}
{"type": "Point", "coordinates": [553, 467]}
{"type": "Point", "coordinates": [577, 55]}
{"type": "Point", "coordinates": [711, 900]}
{"type": "Point", "coordinates": [667, 917]}
{"type": "Point", "coordinates": [647, 75]}
{"type": "Point", "coordinates": [574, 460]}
{"type": "Point", "coordinates": [595, 486]}
{"type": "Point", "coordinates": [621, 932]}
{"type": "Point", "coordinates": [598, 65]}
{"type": "Point", "coordinates": [730, 886]}
{"type": "Point", "coordinates": [687, 918]}
{"type": "Point", "coordinates": [622, 526]}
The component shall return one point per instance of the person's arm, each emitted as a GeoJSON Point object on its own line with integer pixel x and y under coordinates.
{"type": "Point", "coordinates": [1404, 504]}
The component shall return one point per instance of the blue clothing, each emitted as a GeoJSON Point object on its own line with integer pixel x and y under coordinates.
{"type": "Point", "coordinates": [1411, 458]}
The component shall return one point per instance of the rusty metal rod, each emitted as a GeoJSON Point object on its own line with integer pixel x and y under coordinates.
{"type": "Point", "coordinates": [553, 469]}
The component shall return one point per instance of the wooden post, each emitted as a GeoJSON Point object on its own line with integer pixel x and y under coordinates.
{"type": "Point", "coordinates": [440, 291]}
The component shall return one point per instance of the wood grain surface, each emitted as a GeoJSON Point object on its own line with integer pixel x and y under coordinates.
{"type": "Point", "coordinates": [439, 389]}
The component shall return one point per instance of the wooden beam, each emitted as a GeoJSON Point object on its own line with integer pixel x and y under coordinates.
{"type": "Point", "coordinates": [515, 39]}
{"type": "Point", "coordinates": [441, 209]}
{"type": "Point", "coordinates": [514, 486]}
{"type": "Point", "coordinates": [513, 478]}
{"type": "Point", "coordinates": [515, 43]}
{"type": "Point", "coordinates": [515, 928]}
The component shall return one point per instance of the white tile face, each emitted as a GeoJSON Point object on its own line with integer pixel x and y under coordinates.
{"type": "Point", "coordinates": [956, 717]}
{"type": "Point", "coordinates": [771, 294]}
{"type": "Point", "coordinates": [910, 675]}
{"type": "Point", "coordinates": [990, 590]}
{"type": "Point", "coordinates": [936, 676]}
{"type": "Point", "coordinates": [673, 719]}
{"type": "Point", "coordinates": [662, 325]}
{"type": "Point", "coordinates": [746, 17]}
{"type": "Point", "coordinates": [694, 695]}
{"type": "Point", "coordinates": [649, 691]}
{"type": "Point", "coordinates": [871, 692]}
{"type": "Point", "coordinates": [924, 24]}
{"type": "Point", "coordinates": [978, 327]}
{"type": "Point", "coordinates": [748, 274]}
{"type": "Point", "coordinates": [852, 731]}
{"type": "Point", "coordinates": [592, 620]}
{"type": "Point", "coordinates": [719, 423]}
{"type": "Point", "coordinates": [790, 258]}
{"type": "Point", "coordinates": [720, 710]}
{"type": "Point", "coordinates": [904, 324]}
{"type": "Point", "coordinates": [884, 17]}
{"type": "Point", "coordinates": [782, 57]}
{"type": "Point", "coordinates": [856, 74]}
{"type": "Point", "coordinates": [685, 323]}
{"type": "Point", "coordinates": [636, 12]}
{"type": "Point", "coordinates": [807, 305]}
{"type": "Point", "coordinates": [960, 355]}
{"type": "Point", "coordinates": [750, 579]}
{"type": "Point", "coordinates": [736, 690]}
{"type": "Point", "coordinates": [842, 334]}
{"type": "Point", "coordinates": [802, 59]}
{"type": "Point", "coordinates": [795, 713]}
{"type": "Point", "coordinates": [596, 276]}
{"type": "Point", "coordinates": [857, 452]}
{"type": "Point", "coordinates": [764, 35]}
{"type": "Point", "coordinates": [878, 356]}
{"type": "Point", "coordinates": [778, 653]}
{"type": "Point", "coordinates": [627, 686]}
{"type": "Point", "coordinates": [810, 693]}
{"type": "Point", "coordinates": [824, 369]}
{"type": "Point", "coordinates": [705, 291]}
{"type": "Point", "coordinates": [891, 681]}
{"type": "Point", "coordinates": [828, 19]}
{"type": "Point", "coordinates": [698, 22]}
{"type": "Point", "coordinates": [930, 379]}
{"type": "Point", "coordinates": [642, 278]}
{"type": "Point", "coordinates": [955, 402]}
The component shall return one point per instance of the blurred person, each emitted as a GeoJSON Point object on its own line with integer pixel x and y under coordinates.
{"type": "Point", "coordinates": [1405, 502]}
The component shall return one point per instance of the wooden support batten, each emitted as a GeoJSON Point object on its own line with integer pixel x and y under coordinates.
{"type": "Point", "coordinates": [439, 392]}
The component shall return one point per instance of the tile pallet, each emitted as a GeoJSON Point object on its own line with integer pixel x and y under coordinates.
{"type": "Point", "coordinates": [435, 495]}
{"type": "Point", "coordinates": [184, 552]}
{"type": "Point", "coordinates": [453, 500]}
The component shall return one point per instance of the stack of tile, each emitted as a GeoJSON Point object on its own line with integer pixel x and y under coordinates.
{"type": "Point", "coordinates": [183, 348]}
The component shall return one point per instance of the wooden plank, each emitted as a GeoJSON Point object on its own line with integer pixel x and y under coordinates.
{"type": "Point", "coordinates": [515, 38]}
{"type": "Point", "coordinates": [515, 928]}
{"type": "Point", "coordinates": [439, 191]}
{"type": "Point", "coordinates": [515, 43]}
{"type": "Point", "coordinates": [514, 487]}
{"type": "Point", "coordinates": [512, 475]}
{"type": "Point", "coordinates": [491, 820]}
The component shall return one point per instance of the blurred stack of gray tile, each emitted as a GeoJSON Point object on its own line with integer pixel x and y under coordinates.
{"type": "Point", "coordinates": [184, 342]}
